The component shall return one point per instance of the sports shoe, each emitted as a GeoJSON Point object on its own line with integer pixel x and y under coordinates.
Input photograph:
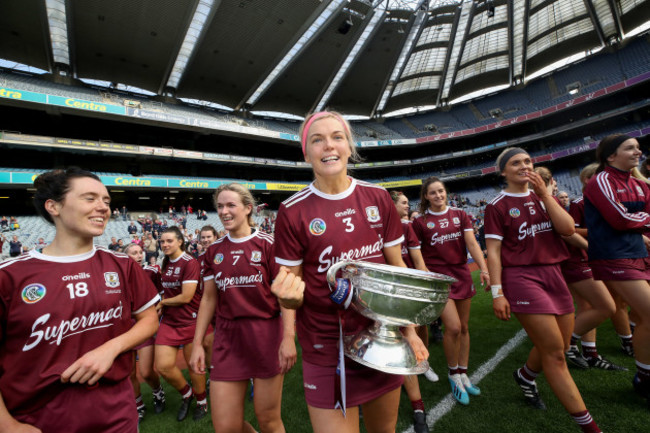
{"type": "Point", "coordinates": [458, 390]}
{"type": "Point", "coordinates": [642, 388]}
{"type": "Point", "coordinates": [431, 375]}
{"type": "Point", "coordinates": [200, 411]}
{"type": "Point", "coordinates": [530, 392]}
{"type": "Point", "coordinates": [436, 333]}
{"type": "Point", "coordinates": [184, 409]}
{"type": "Point", "coordinates": [604, 364]}
{"type": "Point", "coordinates": [159, 402]}
{"type": "Point", "coordinates": [141, 412]}
{"type": "Point", "coordinates": [420, 422]}
{"type": "Point", "coordinates": [627, 349]}
{"type": "Point", "coordinates": [469, 386]}
{"type": "Point", "coordinates": [576, 359]}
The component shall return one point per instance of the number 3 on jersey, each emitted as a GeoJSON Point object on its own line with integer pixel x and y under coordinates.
{"type": "Point", "coordinates": [77, 290]}
{"type": "Point", "coordinates": [349, 227]}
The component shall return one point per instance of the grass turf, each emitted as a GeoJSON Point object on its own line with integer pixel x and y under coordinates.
{"type": "Point", "coordinates": [608, 394]}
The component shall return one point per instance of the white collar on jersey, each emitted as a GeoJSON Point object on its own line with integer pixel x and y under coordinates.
{"type": "Point", "coordinates": [429, 211]}
{"type": "Point", "coordinates": [177, 258]}
{"type": "Point", "coordinates": [338, 196]}
{"type": "Point", "coordinates": [241, 240]}
{"type": "Point", "coordinates": [516, 194]}
{"type": "Point", "coordinates": [63, 259]}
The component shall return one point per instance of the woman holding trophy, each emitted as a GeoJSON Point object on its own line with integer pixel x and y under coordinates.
{"type": "Point", "coordinates": [446, 234]}
{"type": "Point", "coordinates": [336, 218]}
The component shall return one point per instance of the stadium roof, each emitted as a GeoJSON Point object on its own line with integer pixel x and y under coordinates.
{"type": "Point", "coordinates": [361, 57]}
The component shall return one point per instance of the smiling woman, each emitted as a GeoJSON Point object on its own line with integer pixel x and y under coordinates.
{"type": "Point", "coordinates": [91, 296]}
{"type": "Point", "coordinates": [335, 218]}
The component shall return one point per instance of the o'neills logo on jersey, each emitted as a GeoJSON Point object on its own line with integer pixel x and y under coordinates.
{"type": "Point", "coordinates": [79, 276]}
{"type": "Point", "coordinates": [33, 293]}
{"type": "Point", "coordinates": [347, 212]}
{"type": "Point", "coordinates": [372, 212]}
{"type": "Point", "coordinates": [55, 333]}
{"type": "Point", "coordinates": [439, 240]}
{"type": "Point", "coordinates": [524, 230]}
{"type": "Point", "coordinates": [240, 280]}
{"type": "Point", "coordinates": [352, 254]}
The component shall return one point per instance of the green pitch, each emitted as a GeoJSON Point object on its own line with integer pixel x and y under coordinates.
{"type": "Point", "coordinates": [608, 395]}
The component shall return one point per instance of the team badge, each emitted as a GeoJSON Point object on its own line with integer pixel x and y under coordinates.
{"type": "Point", "coordinates": [514, 212]}
{"type": "Point", "coordinates": [456, 220]}
{"type": "Point", "coordinates": [431, 225]}
{"type": "Point", "coordinates": [177, 271]}
{"type": "Point", "coordinates": [33, 293]}
{"type": "Point", "coordinates": [218, 259]}
{"type": "Point", "coordinates": [317, 227]}
{"type": "Point", "coordinates": [111, 279]}
{"type": "Point", "coordinates": [639, 190]}
{"type": "Point", "coordinates": [256, 256]}
{"type": "Point", "coordinates": [372, 212]}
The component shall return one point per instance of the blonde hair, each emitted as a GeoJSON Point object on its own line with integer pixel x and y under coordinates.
{"type": "Point", "coordinates": [354, 155]}
{"type": "Point", "coordinates": [243, 193]}
{"type": "Point", "coordinates": [588, 172]}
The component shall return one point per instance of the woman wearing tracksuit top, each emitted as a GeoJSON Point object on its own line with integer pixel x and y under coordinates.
{"type": "Point", "coordinates": [617, 212]}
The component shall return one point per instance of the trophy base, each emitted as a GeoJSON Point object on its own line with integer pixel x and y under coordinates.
{"type": "Point", "coordinates": [383, 348]}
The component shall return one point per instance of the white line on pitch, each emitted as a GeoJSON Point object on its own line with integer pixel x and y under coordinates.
{"type": "Point", "coordinates": [447, 403]}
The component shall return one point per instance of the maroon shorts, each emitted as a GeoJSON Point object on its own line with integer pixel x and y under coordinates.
{"type": "Point", "coordinates": [620, 269]}
{"type": "Point", "coordinates": [175, 336]}
{"type": "Point", "coordinates": [107, 408]}
{"type": "Point", "coordinates": [363, 384]}
{"type": "Point", "coordinates": [246, 348]}
{"type": "Point", "coordinates": [464, 287]}
{"type": "Point", "coordinates": [149, 342]}
{"type": "Point", "coordinates": [576, 271]}
{"type": "Point", "coordinates": [537, 289]}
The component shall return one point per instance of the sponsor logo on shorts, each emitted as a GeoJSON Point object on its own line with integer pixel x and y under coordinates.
{"type": "Point", "coordinates": [256, 256]}
{"type": "Point", "coordinates": [310, 386]}
{"type": "Point", "coordinates": [514, 212]}
{"type": "Point", "coordinates": [33, 293]}
{"type": "Point", "coordinates": [372, 212]}
{"type": "Point", "coordinates": [218, 258]}
{"type": "Point", "coordinates": [317, 227]}
{"type": "Point", "coordinates": [111, 279]}
{"type": "Point", "coordinates": [431, 225]}
{"type": "Point", "coordinates": [523, 303]}
{"type": "Point", "coordinates": [618, 272]}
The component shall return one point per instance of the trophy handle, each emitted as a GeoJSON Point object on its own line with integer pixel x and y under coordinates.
{"type": "Point", "coordinates": [333, 270]}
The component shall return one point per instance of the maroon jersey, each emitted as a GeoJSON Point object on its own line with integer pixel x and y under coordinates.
{"type": "Point", "coordinates": [442, 237]}
{"type": "Point", "coordinates": [520, 221]}
{"type": "Point", "coordinates": [411, 242]}
{"type": "Point", "coordinates": [577, 211]}
{"type": "Point", "coordinates": [316, 230]}
{"type": "Point", "coordinates": [185, 269]}
{"type": "Point", "coordinates": [243, 269]}
{"type": "Point", "coordinates": [154, 275]}
{"type": "Point", "coordinates": [53, 310]}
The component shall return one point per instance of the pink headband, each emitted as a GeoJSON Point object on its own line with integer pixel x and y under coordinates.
{"type": "Point", "coordinates": [315, 117]}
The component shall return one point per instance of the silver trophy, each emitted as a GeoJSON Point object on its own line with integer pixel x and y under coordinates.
{"type": "Point", "coordinates": [393, 297]}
